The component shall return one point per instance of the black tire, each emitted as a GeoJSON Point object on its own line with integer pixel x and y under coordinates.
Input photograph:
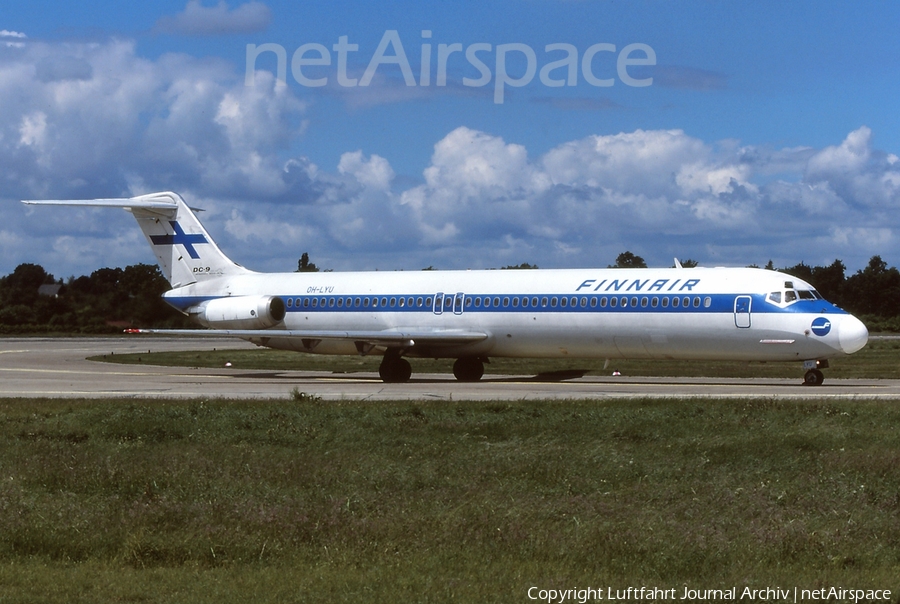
{"type": "Point", "coordinates": [813, 377]}
{"type": "Point", "coordinates": [468, 369]}
{"type": "Point", "coordinates": [395, 370]}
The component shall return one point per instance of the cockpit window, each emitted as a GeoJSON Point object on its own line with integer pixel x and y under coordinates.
{"type": "Point", "coordinates": [789, 296]}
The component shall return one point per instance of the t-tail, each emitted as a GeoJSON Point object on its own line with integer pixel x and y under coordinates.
{"type": "Point", "coordinates": [184, 250]}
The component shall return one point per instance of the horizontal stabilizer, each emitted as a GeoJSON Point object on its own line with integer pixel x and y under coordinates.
{"type": "Point", "coordinates": [164, 204]}
{"type": "Point", "coordinates": [126, 203]}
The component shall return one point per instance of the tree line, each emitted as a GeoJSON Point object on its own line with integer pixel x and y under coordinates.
{"type": "Point", "coordinates": [110, 299]}
{"type": "Point", "coordinates": [106, 301]}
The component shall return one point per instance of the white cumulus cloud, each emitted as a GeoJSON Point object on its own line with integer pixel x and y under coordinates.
{"type": "Point", "coordinates": [200, 20]}
{"type": "Point", "coordinates": [95, 120]}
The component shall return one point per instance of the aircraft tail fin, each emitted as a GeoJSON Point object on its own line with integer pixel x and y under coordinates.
{"type": "Point", "coordinates": [184, 250]}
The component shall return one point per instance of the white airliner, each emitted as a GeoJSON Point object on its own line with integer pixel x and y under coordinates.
{"type": "Point", "coordinates": [740, 314]}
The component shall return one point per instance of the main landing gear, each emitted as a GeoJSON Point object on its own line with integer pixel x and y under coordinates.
{"type": "Point", "coordinates": [468, 369]}
{"type": "Point", "coordinates": [395, 369]}
{"type": "Point", "coordinates": [814, 375]}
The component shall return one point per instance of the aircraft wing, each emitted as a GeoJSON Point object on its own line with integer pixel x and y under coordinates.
{"type": "Point", "coordinates": [388, 337]}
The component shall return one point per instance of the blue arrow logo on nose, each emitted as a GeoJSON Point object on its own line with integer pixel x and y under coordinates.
{"type": "Point", "coordinates": [821, 326]}
{"type": "Point", "coordinates": [180, 237]}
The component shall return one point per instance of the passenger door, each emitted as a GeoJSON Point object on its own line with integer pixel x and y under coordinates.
{"type": "Point", "coordinates": [742, 311]}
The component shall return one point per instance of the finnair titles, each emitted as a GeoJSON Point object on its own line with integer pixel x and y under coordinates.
{"type": "Point", "coordinates": [743, 314]}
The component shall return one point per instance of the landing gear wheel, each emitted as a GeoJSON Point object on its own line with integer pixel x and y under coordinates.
{"type": "Point", "coordinates": [813, 377]}
{"type": "Point", "coordinates": [394, 370]}
{"type": "Point", "coordinates": [468, 369]}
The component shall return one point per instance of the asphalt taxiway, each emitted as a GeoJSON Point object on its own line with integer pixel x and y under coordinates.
{"type": "Point", "coordinates": [57, 367]}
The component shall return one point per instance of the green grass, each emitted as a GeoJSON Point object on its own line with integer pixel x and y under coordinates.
{"type": "Point", "coordinates": [298, 500]}
{"type": "Point", "coordinates": [879, 359]}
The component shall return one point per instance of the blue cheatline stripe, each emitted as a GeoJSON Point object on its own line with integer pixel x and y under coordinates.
{"type": "Point", "coordinates": [536, 304]}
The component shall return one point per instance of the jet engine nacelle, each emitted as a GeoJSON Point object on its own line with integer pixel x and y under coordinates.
{"type": "Point", "coordinates": [240, 312]}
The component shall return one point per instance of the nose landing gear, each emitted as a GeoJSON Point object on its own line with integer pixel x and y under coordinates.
{"type": "Point", "coordinates": [814, 375]}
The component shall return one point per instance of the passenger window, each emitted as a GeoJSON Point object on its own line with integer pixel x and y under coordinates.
{"type": "Point", "coordinates": [707, 302]}
{"type": "Point", "coordinates": [665, 302]}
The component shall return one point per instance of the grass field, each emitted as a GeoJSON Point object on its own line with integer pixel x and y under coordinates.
{"type": "Point", "coordinates": [298, 500]}
{"type": "Point", "coordinates": [879, 359]}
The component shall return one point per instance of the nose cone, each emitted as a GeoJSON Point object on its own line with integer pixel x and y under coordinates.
{"type": "Point", "coordinates": [852, 334]}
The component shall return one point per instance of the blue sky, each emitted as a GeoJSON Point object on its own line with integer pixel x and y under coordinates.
{"type": "Point", "coordinates": [767, 131]}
